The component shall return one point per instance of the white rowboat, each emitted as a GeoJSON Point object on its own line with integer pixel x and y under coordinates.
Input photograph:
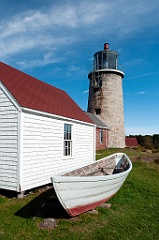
{"type": "Point", "coordinates": [87, 187]}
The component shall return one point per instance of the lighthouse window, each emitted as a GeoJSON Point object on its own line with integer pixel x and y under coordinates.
{"type": "Point", "coordinates": [67, 140]}
{"type": "Point", "coordinates": [97, 111]}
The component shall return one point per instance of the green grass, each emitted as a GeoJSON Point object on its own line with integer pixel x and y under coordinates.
{"type": "Point", "coordinates": [128, 151]}
{"type": "Point", "coordinates": [134, 213]}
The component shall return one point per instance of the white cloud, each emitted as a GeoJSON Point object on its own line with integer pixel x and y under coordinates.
{"type": "Point", "coordinates": [99, 10]}
{"type": "Point", "coordinates": [140, 93]}
{"type": "Point", "coordinates": [133, 62]}
{"type": "Point", "coordinates": [86, 91]}
{"type": "Point", "coordinates": [46, 29]}
{"type": "Point", "coordinates": [63, 17]}
{"type": "Point", "coordinates": [143, 75]}
{"type": "Point", "coordinates": [48, 58]}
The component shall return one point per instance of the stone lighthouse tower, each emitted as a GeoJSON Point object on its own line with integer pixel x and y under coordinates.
{"type": "Point", "coordinates": [106, 95]}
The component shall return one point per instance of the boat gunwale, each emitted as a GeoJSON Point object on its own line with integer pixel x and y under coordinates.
{"type": "Point", "coordinates": [77, 209]}
{"type": "Point", "coordinates": [89, 178]}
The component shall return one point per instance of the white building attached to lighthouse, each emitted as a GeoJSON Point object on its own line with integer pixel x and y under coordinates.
{"type": "Point", "coordinates": [43, 132]}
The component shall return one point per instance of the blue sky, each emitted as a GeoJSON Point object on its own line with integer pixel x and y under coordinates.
{"type": "Point", "coordinates": [55, 41]}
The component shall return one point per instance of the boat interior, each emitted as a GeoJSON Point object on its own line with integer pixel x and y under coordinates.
{"type": "Point", "coordinates": [105, 166]}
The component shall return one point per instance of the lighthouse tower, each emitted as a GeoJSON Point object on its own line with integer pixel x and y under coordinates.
{"type": "Point", "coordinates": [106, 95]}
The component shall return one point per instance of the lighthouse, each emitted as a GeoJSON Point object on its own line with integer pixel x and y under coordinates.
{"type": "Point", "coordinates": [106, 94]}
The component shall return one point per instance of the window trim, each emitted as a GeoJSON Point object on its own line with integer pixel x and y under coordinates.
{"type": "Point", "coordinates": [101, 136]}
{"type": "Point", "coordinates": [68, 141]}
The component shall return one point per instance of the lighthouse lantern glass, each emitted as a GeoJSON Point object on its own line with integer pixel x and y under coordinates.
{"type": "Point", "coordinates": [105, 60]}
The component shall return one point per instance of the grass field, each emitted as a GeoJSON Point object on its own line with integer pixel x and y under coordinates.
{"type": "Point", "coordinates": [134, 213]}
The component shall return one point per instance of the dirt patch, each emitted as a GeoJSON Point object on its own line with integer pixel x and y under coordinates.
{"type": "Point", "coordinates": [151, 157]}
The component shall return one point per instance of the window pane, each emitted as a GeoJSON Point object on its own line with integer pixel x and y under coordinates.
{"type": "Point", "coordinates": [69, 136]}
{"type": "Point", "coordinates": [67, 132]}
{"type": "Point", "coordinates": [67, 140]}
{"type": "Point", "coordinates": [65, 152]}
{"type": "Point", "coordinates": [65, 135]}
{"type": "Point", "coordinates": [65, 127]}
{"type": "Point", "coordinates": [101, 136]}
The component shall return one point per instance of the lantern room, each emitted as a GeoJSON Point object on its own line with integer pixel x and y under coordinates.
{"type": "Point", "coordinates": [105, 59]}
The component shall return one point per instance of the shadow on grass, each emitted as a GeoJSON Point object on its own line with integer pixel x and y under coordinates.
{"type": "Point", "coordinates": [8, 193]}
{"type": "Point", "coordinates": [46, 205]}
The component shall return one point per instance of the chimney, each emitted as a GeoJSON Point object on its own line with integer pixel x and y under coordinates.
{"type": "Point", "coordinates": [106, 46]}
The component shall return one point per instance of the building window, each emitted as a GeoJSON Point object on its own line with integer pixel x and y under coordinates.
{"type": "Point", "coordinates": [101, 136]}
{"type": "Point", "coordinates": [67, 140]}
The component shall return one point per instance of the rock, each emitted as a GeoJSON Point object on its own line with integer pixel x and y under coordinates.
{"type": "Point", "coordinates": [93, 211]}
{"type": "Point", "coordinates": [48, 223]}
{"type": "Point", "coordinates": [148, 151]}
{"type": "Point", "coordinates": [21, 195]}
{"type": "Point", "coordinates": [106, 205]}
{"type": "Point", "coordinates": [74, 219]}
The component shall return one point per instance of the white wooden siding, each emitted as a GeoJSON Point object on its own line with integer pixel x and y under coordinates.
{"type": "Point", "coordinates": [43, 149]}
{"type": "Point", "coordinates": [8, 143]}
{"type": "Point", "coordinates": [84, 151]}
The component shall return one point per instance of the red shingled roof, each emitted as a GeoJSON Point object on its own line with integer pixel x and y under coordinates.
{"type": "Point", "coordinates": [37, 95]}
{"type": "Point", "coordinates": [131, 142]}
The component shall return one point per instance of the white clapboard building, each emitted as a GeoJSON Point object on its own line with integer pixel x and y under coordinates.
{"type": "Point", "coordinates": [43, 132]}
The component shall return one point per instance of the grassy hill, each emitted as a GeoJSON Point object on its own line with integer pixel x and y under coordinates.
{"type": "Point", "coordinates": [134, 212]}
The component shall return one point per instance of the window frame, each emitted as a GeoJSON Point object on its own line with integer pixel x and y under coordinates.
{"type": "Point", "coordinates": [67, 140]}
{"type": "Point", "coordinates": [101, 136]}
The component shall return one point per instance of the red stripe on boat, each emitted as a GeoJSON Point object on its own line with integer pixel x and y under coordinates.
{"type": "Point", "coordinates": [84, 208]}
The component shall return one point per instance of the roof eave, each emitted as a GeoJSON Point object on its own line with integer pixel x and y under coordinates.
{"type": "Point", "coordinates": [32, 111]}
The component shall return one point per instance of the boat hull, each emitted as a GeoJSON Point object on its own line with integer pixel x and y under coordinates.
{"type": "Point", "coordinates": [74, 211]}
{"type": "Point", "coordinates": [80, 194]}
